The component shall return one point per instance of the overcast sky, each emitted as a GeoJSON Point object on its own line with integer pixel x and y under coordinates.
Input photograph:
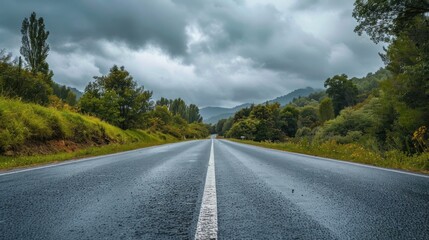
{"type": "Point", "coordinates": [212, 53]}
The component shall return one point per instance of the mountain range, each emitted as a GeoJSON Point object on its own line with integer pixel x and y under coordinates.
{"type": "Point", "coordinates": [214, 114]}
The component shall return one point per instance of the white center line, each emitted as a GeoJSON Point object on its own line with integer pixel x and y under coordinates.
{"type": "Point", "coordinates": [207, 220]}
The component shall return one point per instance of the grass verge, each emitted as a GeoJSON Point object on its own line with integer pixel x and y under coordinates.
{"type": "Point", "coordinates": [31, 134]}
{"type": "Point", "coordinates": [352, 153]}
{"type": "Point", "coordinates": [7, 163]}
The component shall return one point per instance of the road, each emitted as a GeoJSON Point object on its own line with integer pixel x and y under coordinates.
{"type": "Point", "coordinates": [246, 192]}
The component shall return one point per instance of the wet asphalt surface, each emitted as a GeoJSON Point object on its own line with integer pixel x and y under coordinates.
{"type": "Point", "coordinates": [155, 193]}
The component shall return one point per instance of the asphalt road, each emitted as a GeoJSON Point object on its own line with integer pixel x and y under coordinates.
{"type": "Point", "coordinates": [157, 193]}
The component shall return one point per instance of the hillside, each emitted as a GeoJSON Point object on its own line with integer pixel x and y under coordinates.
{"type": "Point", "coordinates": [216, 118]}
{"type": "Point", "coordinates": [214, 114]}
{"type": "Point", "coordinates": [302, 92]}
{"type": "Point", "coordinates": [31, 129]}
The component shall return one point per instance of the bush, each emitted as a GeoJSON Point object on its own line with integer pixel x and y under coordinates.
{"type": "Point", "coordinates": [246, 128]}
{"type": "Point", "coordinates": [303, 132]}
{"type": "Point", "coordinates": [348, 127]}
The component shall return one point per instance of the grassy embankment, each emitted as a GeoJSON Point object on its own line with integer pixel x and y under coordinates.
{"type": "Point", "coordinates": [31, 134]}
{"type": "Point", "coordinates": [352, 153]}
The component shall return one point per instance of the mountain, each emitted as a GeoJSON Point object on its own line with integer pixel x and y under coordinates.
{"type": "Point", "coordinates": [302, 92]}
{"type": "Point", "coordinates": [214, 114]}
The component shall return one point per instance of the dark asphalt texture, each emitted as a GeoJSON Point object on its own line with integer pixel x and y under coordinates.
{"type": "Point", "coordinates": [155, 193]}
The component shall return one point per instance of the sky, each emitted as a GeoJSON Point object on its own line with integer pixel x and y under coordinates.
{"type": "Point", "coordinates": [210, 53]}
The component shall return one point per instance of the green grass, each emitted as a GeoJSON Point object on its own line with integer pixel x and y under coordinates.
{"type": "Point", "coordinates": [7, 163]}
{"type": "Point", "coordinates": [23, 123]}
{"type": "Point", "coordinates": [353, 153]}
{"type": "Point", "coordinates": [31, 134]}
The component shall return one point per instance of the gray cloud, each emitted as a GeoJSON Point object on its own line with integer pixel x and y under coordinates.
{"type": "Point", "coordinates": [134, 22]}
{"type": "Point", "coordinates": [208, 52]}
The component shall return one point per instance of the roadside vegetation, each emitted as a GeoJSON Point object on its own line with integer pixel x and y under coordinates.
{"type": "Point", "coordinates": [351, 152]}
{"type": "Point", "coordinates": [43, 121]}
{"type": "Point", "coordinates": [381, 119]}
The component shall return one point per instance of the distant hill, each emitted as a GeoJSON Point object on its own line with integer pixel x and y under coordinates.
{"type": "Point", "coordinates": [216, 118]}
{"type": "Point", "coordinates": [214, 114]}
{"type": "Point", "coordinates": [302, 92]}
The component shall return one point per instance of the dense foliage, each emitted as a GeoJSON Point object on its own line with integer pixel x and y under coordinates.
{"type": "Point", "coordinates": [16, 82]}
{"type": "Point", "coordinates": [116, 98]}
{"type": "Point", "coordinates": [27, 89]}
{"type": "Point", "coordinates": [384, 111]}
{"type": "Point", "coordinates": [177, 106]}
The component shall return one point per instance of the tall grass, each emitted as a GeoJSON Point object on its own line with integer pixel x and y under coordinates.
{"type": "Point", "coordinates": [352, 152]}
{"type": "Point", "coordinates": [26, 126]}
{"type": "Point", "coordinates": [7, 162]}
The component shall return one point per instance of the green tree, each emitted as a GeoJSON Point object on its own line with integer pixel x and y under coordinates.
{"type": "Point", "coordinates": [34, 47]}
{"type": "Point", "coordinates": [20, 83]}
{"type": "Point", "coordinates": [161, 116]}
{"type": "Point", "coordinates": [164, 102]}
{"type": "Point", "coordinates": [405, 25]}
{"type": "Point", "coordinates": [268, 117]}
{"type": "Point", "coordinates": [308, 117]}
{"type": "Point", "coordinates": [289, 120]}
{"type": "Point", "coordinates": [242, 113]}
{"type": "Point", "coordinates": [64, 93]}
{"type": "Point", "coordinates": [178, 107]}
{"type": "Point", "coordinates": [219, 126]}
{"type": "Point", "coordinates": [342, 91]}
{"type": "Point", "coordinates": [326, 110]}
{"type": "Point", "coordinates": [227, 126]}
{"type": "Point", "coordinates": [117, 99]}
{"type": "Point", "coordinates": [71, 98]}
{"type": "Point", "coordinates": [244, 128]}
{"type": "Point", "coordinates": [194, 114]}
{"type": "Point", "coordinates": [382, 19]}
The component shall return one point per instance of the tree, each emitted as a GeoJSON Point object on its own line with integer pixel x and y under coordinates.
{"type": "Point", "coordinates": [245, 127]}
{"type": "Point", "coordinates": [243, 113]}
{"type": "Point", "coordinates": [268, 118]}
{"type": "Point", "coordinates": [342, 91]}
{"type": "Point", "coordinates": [219, 126]}
{"type": "Point", "coordinates": [162, 115]}
{"type": "Point", "coordinates": [289, 120]}
{"type": "Point", "coordinates": [405, 25]}
{"type": "Point", "coordinates": [326, 110]}
{"type": "Point", "coordinates": [194, 114]}
{"type": "Point", "coordinates": [116, 98]}
{"type": "Point", "coordinates": [34, 47]}
{"type": "Point", "coordinates": [64, 93]}
{"type": "Point", "coordinates": [382, 19]}
{"type": "Point", "coordinates": [71, 98]}
{"type": "Point", "coordinates": [164, 102]}
{"type": "Point", "coordinates": [308, 117]}
{"type": "Point", "coordinates": [227, 126]}
{"type": "Point", "coordinates": [178, 107]}
{"type": "Point", "coordinates": [18, 83]}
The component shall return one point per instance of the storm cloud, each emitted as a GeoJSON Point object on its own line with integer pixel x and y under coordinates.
{"type": "Point", "coordinates": [215, 52]}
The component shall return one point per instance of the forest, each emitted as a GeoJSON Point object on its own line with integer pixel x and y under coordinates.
{"type": "Point", "coordinates": [40, 116]}
{"type": "Point", "coordinates": [385, 113]}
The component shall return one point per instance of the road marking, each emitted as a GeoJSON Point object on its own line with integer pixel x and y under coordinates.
{"type": "Point", "coordinates": [207, 220]}
{"type": "Point", "coordinates": [333, 160]}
